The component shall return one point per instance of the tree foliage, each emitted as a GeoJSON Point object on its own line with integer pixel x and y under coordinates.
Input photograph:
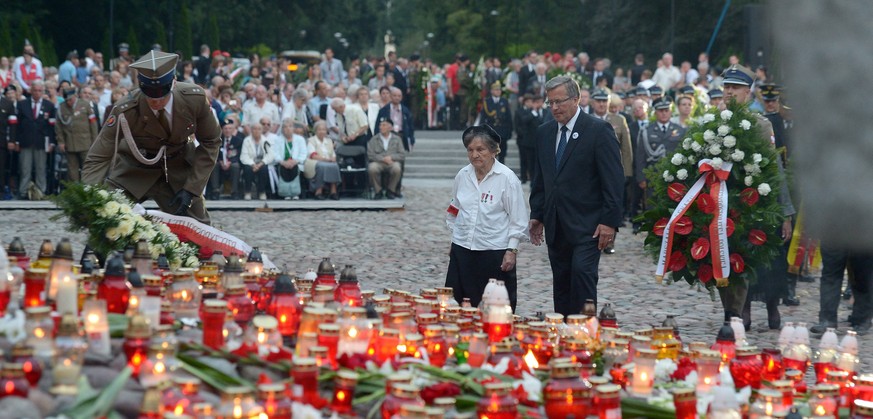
{"type": "Point", "coordinates": [614, 28]}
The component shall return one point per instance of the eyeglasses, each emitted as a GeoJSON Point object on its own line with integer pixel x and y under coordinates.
{"type": "Point", "coordinates": [552, 104]}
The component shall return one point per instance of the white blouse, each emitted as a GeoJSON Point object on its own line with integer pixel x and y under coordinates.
{"type": "Point", "coordinates": [488, 215]}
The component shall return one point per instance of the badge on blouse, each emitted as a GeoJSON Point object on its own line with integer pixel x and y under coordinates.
{"type": "Point", "coordinates": [575, 135]}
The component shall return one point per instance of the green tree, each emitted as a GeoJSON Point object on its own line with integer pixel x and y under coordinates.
{"type": "Point", "coordinates": [161, 35]}
{"type": "Point", "coordinates": [23, 34]}
{"type": "Point", "coordinates": [184, 41]}
{"type": "Point", "coordinates": [6, 49]}
{"type": "Point", "coordinates": [49, 56]}
{"type": "Point", "coordinates": [133, 42]}
{"type": "Point", "coordinates": [213, 34]}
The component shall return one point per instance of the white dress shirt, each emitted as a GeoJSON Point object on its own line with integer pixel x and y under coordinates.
{"type": "Point", "coordinates": [488, 215]}
{"type": "Point", "coordinates": [570, 125]}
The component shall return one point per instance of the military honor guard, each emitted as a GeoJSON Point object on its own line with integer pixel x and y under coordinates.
{"type": "Point", "coordinates": [160, 143]}
{"type": "Point", "coordinates": [497, 114]}
{"type": "Point", "coordinates": [75, 130]}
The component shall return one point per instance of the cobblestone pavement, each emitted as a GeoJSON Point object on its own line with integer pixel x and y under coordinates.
{"type": "Point", "coordinates": [409, 250]}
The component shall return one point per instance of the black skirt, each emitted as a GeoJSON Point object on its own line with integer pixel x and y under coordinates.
{"type": "Point", "coordinates": [470, 270]}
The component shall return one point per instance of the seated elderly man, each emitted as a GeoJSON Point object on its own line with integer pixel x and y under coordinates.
{"type": "Point", "coordinates": [385, 153]}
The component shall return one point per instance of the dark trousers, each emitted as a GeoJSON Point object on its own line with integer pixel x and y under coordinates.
{"type": "Point", "coordinates": [861, 269]}
{"type": "Point", "coordinates": [216, 180]}
{"type": "Point", "coordinates": [733, 298]}
{"type": "Point", "coordinates": [4, 178]}
{"type": "Point", "coordinates": [574, 271]}
{"type": "Point", "coordinates": [832, 271]}
{"type": "Point", "coordinates": [527, 155]}
{"type": "Point", "coordinates": [628, 197]}
{"type": "Point", "coordinates": [470, 270]}
{"type": "Point", "coordinates": [261, 179]}
{"type": "Point", "coordinates": [638, 197]}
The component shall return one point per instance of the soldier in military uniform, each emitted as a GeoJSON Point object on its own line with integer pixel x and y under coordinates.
{"type": "Point", "coordinates": [771, 94]}
{"type": "Point", "coordinates": [736, 297]}
{"type": "Point", "coordinates": [161, 142]}
{"type": "Point", "coordinates": [496, 113]}
{"type": "Point", "coordinates": [8, 123]}
{"type": "Point", "coordinates": [75, 131]}
{"type": "Point", "coordinates": [658, 140]}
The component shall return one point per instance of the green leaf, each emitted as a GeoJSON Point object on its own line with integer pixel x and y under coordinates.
{"type": "Point", "coordinates": [370, 397]}
{"type": "Point", "coordinates": [209, 375]}
{"type": "Point", "coordinates": [100, 404]}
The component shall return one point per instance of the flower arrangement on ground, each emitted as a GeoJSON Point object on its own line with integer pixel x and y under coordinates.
{"type": "Point", "coordinates": [112, 225]}
{"type": "Point", "coordinates": [715, 202]}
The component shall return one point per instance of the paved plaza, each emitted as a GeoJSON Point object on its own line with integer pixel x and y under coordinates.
{"type": "Point", "coordinates": [409, 250]}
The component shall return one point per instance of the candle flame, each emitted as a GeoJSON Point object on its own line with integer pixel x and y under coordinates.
{"type": "Point", "coordinates": [531, 360]}
{"type": "Point", "coordinates": [707, 380]}
{"type": "Point", "coordinates": [67, 362]}
{"type": "Point", "coordinates": [10, 387]}
{"type": "Point", "coordinates": [224, 332]}
{"type": "Point", "coordinates": [820, 410]}
{"type": "Point", "coordinates": [179, 409]}
{"type": "Point", "coordinates": [27, 367]}
{"type": "Point", "coordinates": [38, 332]}
{"type": "Point", "coordinates": [93, 318]}
{"type": "Point", "coordinates": [451, 351]}
{"type": "Point", "coordinates": [159, 368]}
{"type": "Point", "coordinates": [353, 332]}
{"type": "Point", "coordinates": [644, 376]}
{"type": "Point", "coordinates": [401, 348]}
{"type": "Point", "coordinates": [569, 397]}
{"type": "Point", "coordinates": [768, 409]}
{"type": "Point", "coordinates": [262, 337]}
{"type": "Point", "coordinates": [283, 318]}
{"type": "Point", "coordinates": [184, 295]}
{"type": "Point", "coordinates": [341, 395]}
{"type": "Point", "coordinates": [237, 411]}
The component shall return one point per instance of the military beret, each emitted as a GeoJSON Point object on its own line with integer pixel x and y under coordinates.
{"type": "Point", "coordinates": [484, 130]}
{"type": "Point", "coordinates": [770, 91]}
{"type": "Point", "coordinates": [157, 70]}
{"type": "Point", "coordinates": [600, 95]}
{"type": "Point", "coordinates": [715, 94]}
{"type": "Point", "coordinates": [662, 103]}
{"type": "Point", "coordinates": [737, 74]}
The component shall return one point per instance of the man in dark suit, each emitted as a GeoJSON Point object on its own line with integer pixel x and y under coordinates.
{"type": "Point", "coordinates": [527, 119]}
{"type": "Point", "coordinates": [36, 136]}
{"type": "Point", "coordinates": [8, 125]}
{"type": "Point", "coordinates": [576, 194]}
{"type": "Point", "coordinates": [495, 113]}
{"type": "Point", "coordinates": [526, 71]}
{"type": "Point", "coordinates": [227, 164]}
{"type": "Point", "coordinates": [638, 123]}
{"type": "Point", "coordinates": [401, 116]}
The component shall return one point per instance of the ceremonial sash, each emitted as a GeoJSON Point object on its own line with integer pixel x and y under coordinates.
{"type": "Point", "coordinates": [718, 242]}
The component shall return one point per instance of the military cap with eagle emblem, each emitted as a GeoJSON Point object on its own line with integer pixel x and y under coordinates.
{"type": "Point", "coordinates": [157, 70]}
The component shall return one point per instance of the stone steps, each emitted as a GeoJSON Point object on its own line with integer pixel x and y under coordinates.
{"type": "Point", "coordinates": [440, 154]}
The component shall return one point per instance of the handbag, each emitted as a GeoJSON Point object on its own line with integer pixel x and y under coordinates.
{"type": "Point", "coordinates": [309, 168]}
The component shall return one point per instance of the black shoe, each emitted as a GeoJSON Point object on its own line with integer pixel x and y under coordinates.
{"type": "Point", "coordinates": [390, 195]}
{"type": "Point", "coordinates": [863, 328]}
{"type": "Point", "coordinates": [377, 196]}
{"type": "Point", "coordinates": [320, 197]}
{"type": "Point", "coordinates": [820, 328]}
{"type": "Point", "coordinates": [609, 250]}
{"type": "Point", "coordinates": [637, 228]}
{"type": "Point", "coordinates": [774, 319]}
{"type": "Point", "coordinates": [398, 195]}
{"type": "Point", "coordinates": [847, 294]}
{"type": "Point", "coordinates": [805, 278]}
{"type": "Point", "coordinates": [791, 301]}
{"type": "Point", "coordinates": [747, 316]}
{"type": "Point", "coordinates": [334, 196]}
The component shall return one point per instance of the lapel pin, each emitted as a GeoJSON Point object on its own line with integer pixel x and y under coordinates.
{"type": "Point", "coordinates": [575, 135]}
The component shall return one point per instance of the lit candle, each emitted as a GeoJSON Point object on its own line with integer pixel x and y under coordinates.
{"type": "Point", "coordinates": [66, 373]}
{"type": "Point", "coordinates": [34, 287]}
{"type": "Point", "coordinates": [708, 362]}
{"type": "Point", "coordinates": [61, 266]}
{"type": "Point", "coordinates": [344, 391]}
{"type": "Point", "coordinates": [68, 295]}
{"type": "Point", "coordinates": [150, 307]}
{"type": "Point", "coordinates": [644, 372]}
{"type": "Point", "coordinates": [97, 327]}
{"type": "Point", "coordinates": [40, 327]}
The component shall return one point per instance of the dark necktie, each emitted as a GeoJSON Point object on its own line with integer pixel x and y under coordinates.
{"type": "Point", "coordinates": [663, 128]}
{"type": "Point", "coordinates": [162, 119]}
{"type": "Point", "coordinates": [561, 146]}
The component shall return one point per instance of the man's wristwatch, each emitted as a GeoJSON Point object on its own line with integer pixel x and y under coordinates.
{"type": "Point", "coordinates": [513, 251]}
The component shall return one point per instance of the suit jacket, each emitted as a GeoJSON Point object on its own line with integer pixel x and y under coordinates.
{"type": "Point", "coordinates": [376, 151]}
{"type": "Point", "coordinates": [585, 189]}
{"type": "Point", "coordinates": [498, 116]}
{"type": "Point", "coordinates": [401, 82]}
{"type": "Point", "coordinates": [188, 166]}
{"type": "Point", "coordinates": [8, 122]}
{"type": "Point", "coordinates": [233, 145]}
{"type": "Point", "coordinates": [633, 126]}
{"type": "Point", "coordinates": [408, 136]}
{"type": "Point", "coordinates": [523, 78]}
{"type": "Point", "coordinates": [526, 126]}
{"type": "Point", "coordinates": [653, 145]}
{"type": "Point", "coordinates": [32, 132]}
{"type": "Point", "coordinates": [534, 86]}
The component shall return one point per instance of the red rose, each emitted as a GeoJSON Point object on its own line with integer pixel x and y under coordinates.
{"type": "Point", "coordinates": [706, 204]}
{"type": "Point", "coordinates": [757, 237]}
{"type": "Point", "coordinates": [749, 196]}
{"type": "Point", "coordinates": [355, 361]}
{"type": "Point", "coordinates": [729, 228]}
{"type": "Point", "coordinates": [683, 225]}
{"type": "Point", "coordinates": [677, 261]}
{"type": "Point", "coordinates": [732, 213]}
{"type": "Point", "coordinates": [704, 273]}
{"type": "Point", "coordinates": [738, 265]}
{"type": "Point", "coordinates": [676, 191]}
{"type": "Point", "coordinates": [659, 226]}
{"type": "Point", "coordinates": [700, 248]}
{"type": "Point", "coordinates": [443, 389]}
{"type": "Point", "coordinates": [683, 368]}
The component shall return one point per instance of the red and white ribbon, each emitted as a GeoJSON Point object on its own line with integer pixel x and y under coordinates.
{"type": "Point", "coordinates": [191, 230]}
{"type": "Point", "coordinates": [715, 178]}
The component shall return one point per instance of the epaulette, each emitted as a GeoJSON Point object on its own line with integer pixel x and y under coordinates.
{"type": "Point", "coordinates": [190, 89]}
{"type": "Point", "coordinates": [125, 104]}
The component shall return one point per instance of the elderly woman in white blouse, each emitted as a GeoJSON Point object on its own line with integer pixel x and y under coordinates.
{"type": "Point", "coordinates": [326, 170]}
{"type": "Point", "coordinates": [488, 219]}
{"type": "Point", "coordinates": [255, 157]}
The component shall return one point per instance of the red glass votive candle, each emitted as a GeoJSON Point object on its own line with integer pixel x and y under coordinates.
{"type": "Point", "coordinates": [34, 287]}
{"type": "Point", "coordinates": [275, 400]}
{"type": "Point", "coordinates": [773, 369]}
{"type": "Point", "coordinates": [328, 336]}
{"type": "Point", "coordinates": [400, 394]}
{"type": "Point", "coordinates": [12, 381]}
{"type": "Point", "coordinates": [498, 402]}
{"type": "Point", "coordinates": [239, 303]}
{"type": "Point", "coordinates": [685, 402]}
{"type": "Point", "coordinates": [214, 313]}
{"type": "Point", "coordinates": [386, 344]}
{"type": "Point", "coordinates": [747, 367]}
{"type": "Point", "coordinates": [566, 395]}
{"type": "Point", "coordinates": [607, 402]}
{"type": "Point", "coordinates": [343, 392]}
{"type": "Point", "coordinates": [304, 372]}
{"type": "Point", "coordinates": [30, 366]}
